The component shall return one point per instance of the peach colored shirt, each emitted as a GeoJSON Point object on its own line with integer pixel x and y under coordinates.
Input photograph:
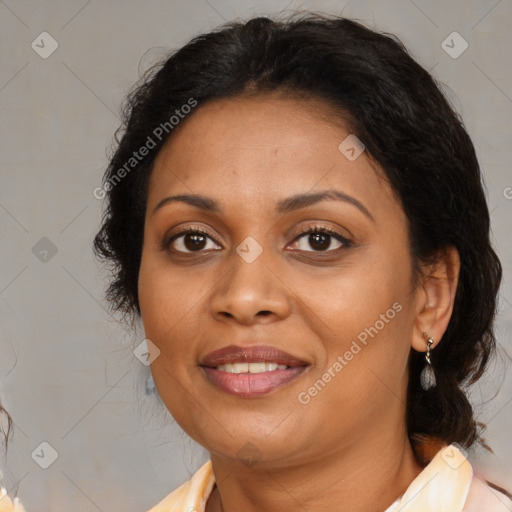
{"type": "Point", "coordinates": [446, 484]}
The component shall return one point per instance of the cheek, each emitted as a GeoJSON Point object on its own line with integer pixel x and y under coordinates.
{"type": "Point", "coordinates": [352, 298]}
{"type": "Point", "coordinates": [168, 299]}
{"type": "Point", "coordinates": [364, 319]}
{"type": "Point", "coordinates": [173, 306]}
{"type": "Point", "coordinates": [169, 305]}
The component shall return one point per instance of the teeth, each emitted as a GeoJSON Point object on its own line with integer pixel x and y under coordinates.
{"type": "Point", "coordinates": [240, 367]}
{"type": "Point", "coordinates": [257, 367]}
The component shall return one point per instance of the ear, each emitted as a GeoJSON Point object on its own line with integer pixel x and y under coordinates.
{"type": "Point", "coordinates": [435, 295]}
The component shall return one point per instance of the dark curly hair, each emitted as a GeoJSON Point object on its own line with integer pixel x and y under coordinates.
{"type": "Point", "coordinates": [6, 422]}
{"type": "Point", "coordinates": [409, 129]}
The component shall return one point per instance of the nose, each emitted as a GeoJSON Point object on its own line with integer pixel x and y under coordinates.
{"type": "Point", "coordinates": [250, 293]}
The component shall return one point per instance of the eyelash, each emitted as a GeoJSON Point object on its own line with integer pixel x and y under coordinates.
{"type": "Point", "coordinates": [313, 229]}
{"type": "Point", "coordinates": [325, 231]}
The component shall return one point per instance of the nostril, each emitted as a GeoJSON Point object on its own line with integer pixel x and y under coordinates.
{"type": "Point", "coordinates": [264, 313]}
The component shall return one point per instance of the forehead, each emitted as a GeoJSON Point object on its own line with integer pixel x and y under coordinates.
{"type": "Point", "coordinates": [263, 148]}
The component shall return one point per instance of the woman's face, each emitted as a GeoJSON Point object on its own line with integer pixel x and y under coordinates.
{"type": "Point", "coordinates": [254, 175]}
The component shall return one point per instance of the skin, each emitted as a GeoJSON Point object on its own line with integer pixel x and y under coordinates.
{"type": "Point", "coordinates": [349, 443]}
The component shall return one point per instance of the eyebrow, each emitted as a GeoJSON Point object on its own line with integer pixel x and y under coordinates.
{"type": "Point", "coordinates": [284, 206]}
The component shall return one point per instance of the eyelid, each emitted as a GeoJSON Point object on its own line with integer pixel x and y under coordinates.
{"type": "Point", "coordinates": [301, 232]}
{"type": "Point", "coordinates": [319, 228]}
{"type": "Point", "coordinates": [188, 229]}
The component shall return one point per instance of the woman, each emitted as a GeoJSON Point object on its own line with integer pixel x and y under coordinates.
{"type": "Point", "coordinates": [297, 215]}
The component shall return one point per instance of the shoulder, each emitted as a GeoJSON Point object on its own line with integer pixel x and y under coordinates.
{"type": "Point", "coordinates": [484, 496]}
{"type": "Point", "coordinates": [192, 495]}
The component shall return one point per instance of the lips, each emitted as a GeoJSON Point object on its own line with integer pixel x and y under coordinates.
{"type": "Point", "coordinates": [251, 371]}
{"type": "Point", "coordinates": [252, 354]}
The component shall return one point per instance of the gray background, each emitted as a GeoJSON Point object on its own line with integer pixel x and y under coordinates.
{"type": "Point", "coordinates": [67, 370]}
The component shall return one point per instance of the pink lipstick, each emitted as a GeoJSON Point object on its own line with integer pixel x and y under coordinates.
{"type": "Point", "coordinates": [251, 371]}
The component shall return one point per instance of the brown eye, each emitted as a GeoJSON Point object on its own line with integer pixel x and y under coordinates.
{"type": "Point", "coordinates": [194, 242]}
{"type": "Point", "coordinates": [191, 241]}
{"type": "Point", "coordinates": [320, 240]}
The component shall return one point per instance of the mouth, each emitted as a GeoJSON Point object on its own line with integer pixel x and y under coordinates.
{"type": "Point", "coordinates": [252, 371]}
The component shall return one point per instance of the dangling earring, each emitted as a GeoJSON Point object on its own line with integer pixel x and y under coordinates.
{"type": "Point", "coordinates": [150, 388]}
{"type": "Point", "coordinates": [428, 378]}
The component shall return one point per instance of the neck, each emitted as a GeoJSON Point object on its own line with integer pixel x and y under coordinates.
{"type": "Point", "coordinates": [365, 477]}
